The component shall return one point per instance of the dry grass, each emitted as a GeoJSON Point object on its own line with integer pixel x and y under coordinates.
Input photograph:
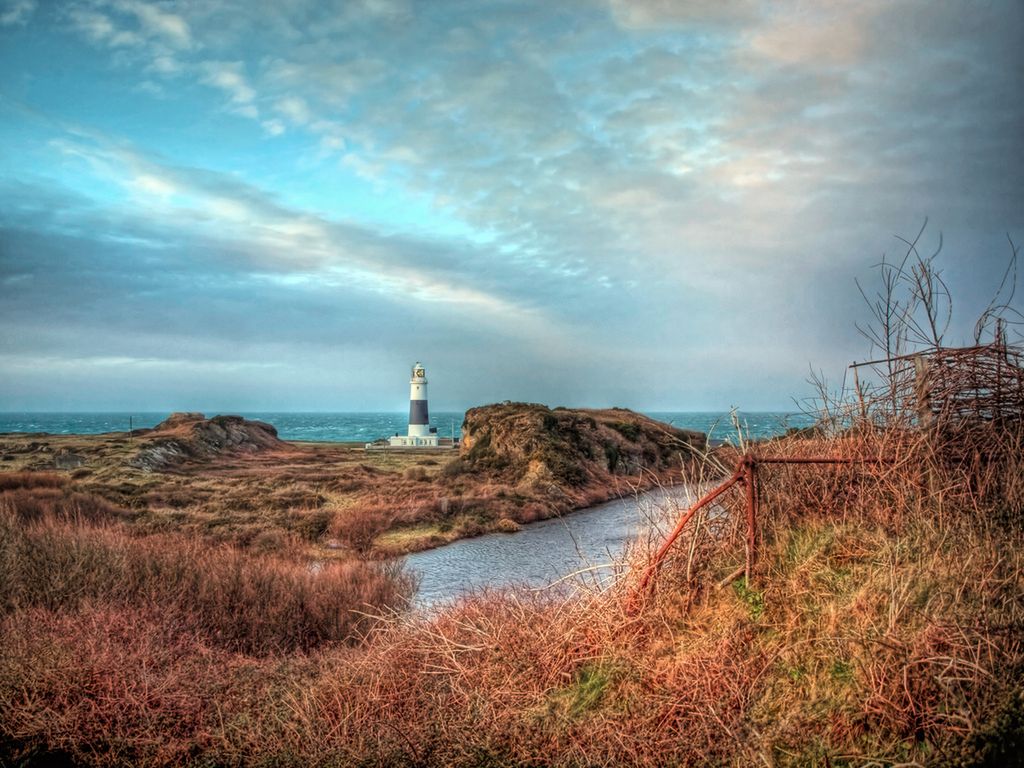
{"type": "Point", "coordinates": [58, 558]}
{"type": "Point", "coordinates": [377, 503]}
{"type": "Point", "coordinates": [882, 625]}
{"type": "Point", "coordinates": [12, 481]}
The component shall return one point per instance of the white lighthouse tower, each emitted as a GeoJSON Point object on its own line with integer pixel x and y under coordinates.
{"type": "Point", "coordinates": [420, 435]}
{"type": "Point", "coordinates": [419, 418]}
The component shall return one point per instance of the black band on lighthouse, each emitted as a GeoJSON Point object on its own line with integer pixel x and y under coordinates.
{"type": "Point", "coordinates": [418, 412]}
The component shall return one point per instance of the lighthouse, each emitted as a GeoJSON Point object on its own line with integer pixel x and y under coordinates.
{"type": "Point", "coordinates": [419, 418]}
{"type": "Point", "coordinates": [420, 433]}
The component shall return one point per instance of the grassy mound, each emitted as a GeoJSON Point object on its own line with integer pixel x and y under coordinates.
{"type": "Point", "coordinates": [191, 437]}
{"type": "Point", "coordinates": [523, 442]}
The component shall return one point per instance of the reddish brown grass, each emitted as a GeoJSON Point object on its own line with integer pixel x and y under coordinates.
{"type": "Point", "coordinates": [882, 620]}
{"type": "Point", "coordinates": [11, 481]}
{"type": "Point", "coordinates": [358, 528]}
{"type": "Point", "coordinates": [878, 624]}
{"type": "Point", "coordinates": [257, 604]}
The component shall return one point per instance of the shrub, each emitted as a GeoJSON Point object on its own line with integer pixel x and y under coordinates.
{"type": "Point", "coordinates": [505, 525]}
{"type": "Point", "coordinates": [312, 524]}
{"type": "Point", "coordinates": [241, 601]}
{"type": "Point", "coordinates": [611, 452]}
{"type": "Point", "coordinates": [358, 527]}
{"type": "Point", "coordinates": [629, 430]}
{"type": "Point", "coordinates": [10, 481]}
{"type": "Point", "coordinates": [454, 468]}
{"type": "Point", "coordinates": [416, 473]}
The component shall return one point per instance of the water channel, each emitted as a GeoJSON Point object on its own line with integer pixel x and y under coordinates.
{"type": "Point", "coordinates": [552, 554]}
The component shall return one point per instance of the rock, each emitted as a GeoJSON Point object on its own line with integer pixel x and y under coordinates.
{"type": "Point", "coordinates": [536, 478]}
{"type": "Point", "coordinates": [65, 459]}
{"type": "Point", "coordinates": [532, 446]}
{"type": "Point", "coordinates": [190, 437]}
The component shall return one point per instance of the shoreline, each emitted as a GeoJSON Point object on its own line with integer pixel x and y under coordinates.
{"type": "Point", "coordinates": [430, 537]}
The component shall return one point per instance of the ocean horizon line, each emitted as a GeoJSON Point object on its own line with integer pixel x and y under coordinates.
{"type": "Point", "coordinates": [366, 426]}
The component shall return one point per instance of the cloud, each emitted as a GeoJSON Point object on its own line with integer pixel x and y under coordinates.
{"type": "Point", "coordinates": [16, 12]}
{"type": "Point", "coordinates": [100, 28]}
{"type": "Point", "coordinates": [295, 109]}
{"type": "Point", "coordinates": [273, 127]}
{"type": "Point", "coordinates": [578, 167]}
{"type": "Point", "coordinates": [815, 35]}
{"type": "Point", "coordinates": [131, 23]}
{"type": "Point", "coordinates": [656, 14]}
{"type": "Point", "coordinates": [229, 77]}
{"type": "Point", "coordinates": [683, 187]}
{"type": "Point", "coordinates": [281, 240]}
{"type": "Point", "coordinates": [155, 22]}
{"type": "Point", "coordinates": [165, 65]}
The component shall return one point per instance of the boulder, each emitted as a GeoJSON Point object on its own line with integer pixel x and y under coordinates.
{"type": "Point", "coordinates": [66, 459]}
{"type": "Point", "coordinates": [191, 437]}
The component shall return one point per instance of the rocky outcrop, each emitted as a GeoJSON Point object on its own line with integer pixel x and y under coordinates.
{"type": "Point", "coordinates": [532, 446]}
{"type": "Point", "coordinates": [191, 437]}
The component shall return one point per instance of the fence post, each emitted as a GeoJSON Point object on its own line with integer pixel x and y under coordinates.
{"type": "Point", "coordinates": [860, 396]}
{"type": "Point", "coordinates": [922, 391]}
{"type": "Point", "coordinates": [926, 420]}
{"type": "Point", "coordinates": [750, 479]}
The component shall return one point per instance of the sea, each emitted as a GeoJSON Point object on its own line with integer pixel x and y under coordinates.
{"type": "Point", "coordinates": [346, 427]}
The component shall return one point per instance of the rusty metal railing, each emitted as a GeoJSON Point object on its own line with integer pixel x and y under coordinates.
{"type": "Point", "coordinates": [746, 475]}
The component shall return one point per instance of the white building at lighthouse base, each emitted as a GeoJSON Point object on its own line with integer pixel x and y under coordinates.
{"type": "Point", "coordinates": [415, 441]}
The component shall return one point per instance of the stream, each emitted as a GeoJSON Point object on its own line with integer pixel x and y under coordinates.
{"type": "Point", "coordinates": [548, 554]}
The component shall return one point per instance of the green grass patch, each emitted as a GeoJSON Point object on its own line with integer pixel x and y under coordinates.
{"type": "Point", "coordinates": [805, 543]}
{"type": "Point", "coordinates": [753, 599]}
{"type": "Point", "coordinates": [841, 671]}
{"type": "Point", "coordinates": [402, 537]}
{"type": "Point", "coordinates": [585, 694]}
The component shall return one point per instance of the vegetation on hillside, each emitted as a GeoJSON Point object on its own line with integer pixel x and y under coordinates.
{"type": "Point", "coordinates": [533, 447]}
{"type": "Point", "coordinates": [231, 480]}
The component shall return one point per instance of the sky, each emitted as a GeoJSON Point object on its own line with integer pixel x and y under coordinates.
{"type": "Point", "coordinates": [281, 205]}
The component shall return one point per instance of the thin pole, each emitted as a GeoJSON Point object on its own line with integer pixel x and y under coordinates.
{"type": "Point", "coordinates": [860, 393]}
{"type": "Point", "coordinates": [751, 482]}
